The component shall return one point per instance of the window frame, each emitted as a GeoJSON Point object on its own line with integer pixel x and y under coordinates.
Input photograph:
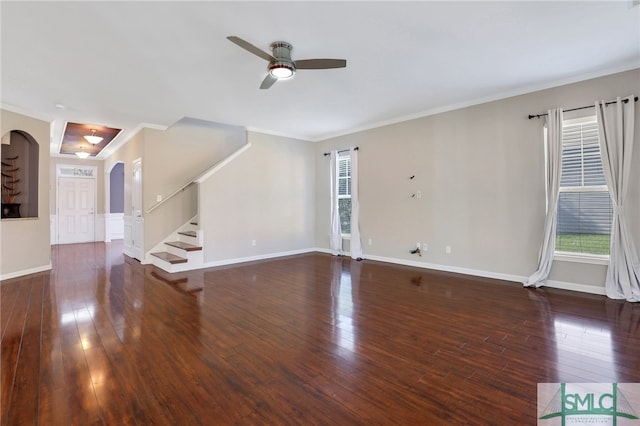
{"type": "Point", "coordinates": [597, 259]}
{"type": "Point", "coordinates": [342, 156]}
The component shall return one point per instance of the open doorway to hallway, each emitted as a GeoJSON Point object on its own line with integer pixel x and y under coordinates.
{"type": "Point", "coordinates": [115, 203]}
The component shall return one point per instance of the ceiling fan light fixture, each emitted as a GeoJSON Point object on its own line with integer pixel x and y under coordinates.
{"type": "Point", "coordinates": [281, 70]}
{"type": "Point", "coordinates": [281, 66]}
{"type": "Point", "coordinates": [92, 138]}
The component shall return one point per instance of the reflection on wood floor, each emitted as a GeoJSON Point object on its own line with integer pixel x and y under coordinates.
{"type": "Point", "coordinates": [308, 339]}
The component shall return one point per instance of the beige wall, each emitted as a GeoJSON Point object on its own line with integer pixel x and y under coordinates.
{"type": "Point", "coordinates": [170, 159]}
{"type": "Point", "coordinates": [174, 157]}
{"type": "Point", "coordinates": [126, 154]}
{"type": "Point", "coordinates": [177, 155]}
{"type": "Point", "coordinates": [265, 194]}
{"type": "Point", "coordinates": [26, 242]}
{"type": "Point", "coordinates": [480, 171]}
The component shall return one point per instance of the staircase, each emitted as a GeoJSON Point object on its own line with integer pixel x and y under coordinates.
{"type": "Point", "coordinates": [183, 250]}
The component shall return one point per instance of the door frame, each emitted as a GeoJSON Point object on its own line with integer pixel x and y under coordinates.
{"type": "Point", "coordinates": [107, 199]}
{"type": "Point", "coordinates": [75, 171]}
{"type": "Point", "coordinates": [134, 218]}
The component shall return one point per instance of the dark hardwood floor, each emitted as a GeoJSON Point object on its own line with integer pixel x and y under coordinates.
{"type": "Point", "coordinates": [310, 339]}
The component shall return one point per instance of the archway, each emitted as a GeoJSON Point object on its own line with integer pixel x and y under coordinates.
{"type": "Point", "coordinates": [20, 169]}
{"type": "Point", "coordinates": [115, 202]}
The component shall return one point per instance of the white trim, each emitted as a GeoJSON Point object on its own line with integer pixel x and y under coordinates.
{"type": "Point", "coordinates": [448, 268]}
{"type": "Point", "coordinates": [221, 164]}
{"type": "Point", "coordinates": [225, 262]}
{"type": "Point", "coordinates": [482, 100]}
{"type": "Point", "coordinates": [137, 190]}
{"type": "Point", "coordinates": [93, 177]}
{"type": "Point", "coordinates": [26, 272]}
{"type": "Point", "coordinates": [59, 167]}
{"type": "Point", "coordinates": [115, 227]}
{"type": "Point", "coordinates": [127, 230]}
{"type": "Point", "coordinates": [53, 229]}
{"type": "Point", "coordinates": [108, 233]}
{"type": "Point", "coordinates": [280, 134]}
{"type": "Point", "coordinates": [107, 228]}
{"type": "Point", "coordinates": [587, 119]}
{"type": "Point", "coordinates": [99, 233]}
{"type": "Point", "coordinates": [200, 178]}
{"type": "Point", "coordinates": [118, 143]}
{"type": "Point", "coordinates": [107, 151]}
{"type": "Point", "coordinates": [518, 279]}
{"type": "Point", "coordinates": [583, 288]}
{"type": "Point", "coordinates": [592, 259]}
{"type": "Point", "coordinates": [33, 114]}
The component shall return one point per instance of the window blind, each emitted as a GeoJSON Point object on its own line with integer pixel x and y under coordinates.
{"type": "Point", "coordinates": [585, 211]}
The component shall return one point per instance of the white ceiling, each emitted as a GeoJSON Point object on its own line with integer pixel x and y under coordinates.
{"type": "Point", "coordinates": [123, 64]}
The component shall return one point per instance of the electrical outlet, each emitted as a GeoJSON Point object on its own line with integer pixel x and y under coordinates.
{"type": "Point", "coordinates": [370, 242]}
{"type": "Point", "coordinates": [425, 246]}
{"type": "Point", "coordinates": [253, 243]}
{"type": "Point", "coordinates": [447, 249]}
{"type": "Point", "coordinates": [419, 194]}
{"type": "Point", "coordinates": [418, 245]}
{"type": "Point", "coordinates": [158, 198]}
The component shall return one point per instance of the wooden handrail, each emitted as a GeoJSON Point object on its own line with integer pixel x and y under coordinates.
{"type": "Point", "coordinates": [201, 177]}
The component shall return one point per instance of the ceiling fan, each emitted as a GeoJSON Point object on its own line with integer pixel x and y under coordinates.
{"type": "Point", "coordinates": [281, 66]}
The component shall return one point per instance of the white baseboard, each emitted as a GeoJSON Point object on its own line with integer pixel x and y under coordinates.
{"type": "Point", "coordinates": [576, 287]}
{"type": "Point", "coordinates": [26, 272]}
{"type": "Point", "coordinates": [448, 268]}
{"type": "Point", "coordinates": [53, 219]}
{"type": "Point", "coordinates": [99, 233]}
{"type": "Point", "coordinates": [562, 285]}
{"type": "Point", "coordinates": [127, 229]}
{"type": "Point", "coordinates": [583, 288]}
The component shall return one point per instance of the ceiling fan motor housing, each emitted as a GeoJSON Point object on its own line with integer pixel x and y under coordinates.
{"type": "Point", "coordinates": [282, 53]}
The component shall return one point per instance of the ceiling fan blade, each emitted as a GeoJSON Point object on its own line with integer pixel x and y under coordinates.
{"type": "Point", "coordinates": [251, 48]}
{"type": "Point", "coordinates": [268, 81]}
{"type": "Point", "coordinates": [320, 64]}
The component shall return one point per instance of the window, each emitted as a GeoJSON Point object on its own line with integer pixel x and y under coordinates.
{"type": "Point", "coordinates": [584, 205]}
{"type": "Point", "coordinates": [344, 192]}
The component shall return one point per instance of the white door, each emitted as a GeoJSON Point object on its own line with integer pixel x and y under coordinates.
{"type": "Point", "coordinates": [137, 231]}
{"type": "Point", "coordinates": [76, 210]}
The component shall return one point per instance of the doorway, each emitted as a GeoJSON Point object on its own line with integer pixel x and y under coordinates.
{"type": "Point", "coordinates": [114, 201]}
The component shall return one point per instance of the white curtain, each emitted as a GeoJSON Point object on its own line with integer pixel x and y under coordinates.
{"type": "Point", "coordinates": [553, 172]}
{"type": "Point", "coordinates": [615, 129]}
{"type": "Point", "coordinates": [356, 244]}
{"type": "Point", "coordinates": [336, 233]}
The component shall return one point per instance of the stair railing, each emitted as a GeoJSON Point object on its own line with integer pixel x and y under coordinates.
{"type": "Point", "coordinates": [201, 177]}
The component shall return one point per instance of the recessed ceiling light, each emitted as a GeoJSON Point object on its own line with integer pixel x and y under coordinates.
{"type": "Point", "coordinates": [61, 106]}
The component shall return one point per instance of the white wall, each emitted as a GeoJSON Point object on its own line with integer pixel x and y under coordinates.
{"type": "Point", "coordinates": [480, 171]}
{"type": "Point", "coordinates": [265, 194]}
